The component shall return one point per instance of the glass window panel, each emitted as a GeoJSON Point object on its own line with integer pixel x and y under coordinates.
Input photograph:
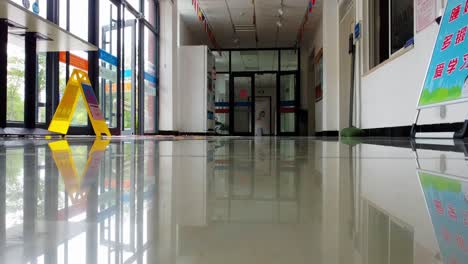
{"type": "Point", "coordinates": [130, 71]}
{"type": "Point", "coordinates": [222, 104]}
{"type": "Point", "coordinates": [242, 105]}
{"type": "Point", "coordinates": [289, 60]}
{"type": "Point", "coordinates": [402, 23]}
{"type": "Point", "coordinates": [63, 13]}
{"type": "Point", "coordinates": [15, 83]}
{"type": "Point", "coordinates": [80, 117]}
{"type": "Point", "coordinates": [254, 60]}
{"type": "Point", "coordinates": [108, 69]}
{"type": "Point", "coordinates": [79, 18]}
{"type": "Point", "coordinates": [151, 12]}
{"type": "Point", "coordinates": [288, 103]}
{"type": "Point", "coordinates": [150, 77]}
{"type": "Point", "coordinates": [222, 61]}
{"type": "Point", "coordinates": [41, 89]}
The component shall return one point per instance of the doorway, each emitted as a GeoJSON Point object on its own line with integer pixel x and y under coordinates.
{"type": "Point", "coordinates": [119, 92]}
{"type": "Point", "coordinates": [263, 116]}
{"type": "Point", "coordinates": [242, 102]}
{"type": "Point", "coordinates": [265, 103]}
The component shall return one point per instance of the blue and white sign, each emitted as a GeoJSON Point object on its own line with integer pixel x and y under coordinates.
{"type": "Point", "coordinates": [35, 7]}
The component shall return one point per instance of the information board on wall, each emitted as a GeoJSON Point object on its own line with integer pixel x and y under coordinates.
{"type": "Point", "coordinates": [447, 76]}
{"type": "Point", "coordinates": [446, 198]}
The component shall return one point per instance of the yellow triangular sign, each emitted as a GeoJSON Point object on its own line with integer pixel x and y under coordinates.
{"type": "Point", "coordinates": [63, 157]}
{"type": "Point", "coordinates": [78, 84]}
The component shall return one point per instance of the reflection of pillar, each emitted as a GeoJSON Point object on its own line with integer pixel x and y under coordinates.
{"type": "Point", "coordinates": [30, 176]}
{"type": "Point", "coordinates": [2, 197]}
{"type": "Point", "coordinates": [153, 212]}
{"type": "Point", "coordinates": [51, 207]}
{"type": "Point", "coordinates": [140, 177]}
{"type": "Point", "coordinates": [91, 220]}
{"type": "Point", "coordinates": [331, 204]}
{"type": "Point", "coordinates": [166, 229]}
{"type": "Point", "coordinates": [119, 163]}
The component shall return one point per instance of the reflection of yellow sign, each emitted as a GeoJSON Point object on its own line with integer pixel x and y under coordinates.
{"type": "Point", "coordinates": [78, 84]}
{"type": "Point", "coordinates": [63, 158]}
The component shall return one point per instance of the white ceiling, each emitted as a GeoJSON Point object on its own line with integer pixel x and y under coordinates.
{"type": "Point", "coordinates": [269, 35]}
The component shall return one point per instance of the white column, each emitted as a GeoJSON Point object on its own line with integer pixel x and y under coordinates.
{"type": "Point", "coordinates": [168, 65]}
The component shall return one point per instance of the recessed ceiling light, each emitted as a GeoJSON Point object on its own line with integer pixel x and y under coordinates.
{"type": "Point", "coordinates": [280, 12]}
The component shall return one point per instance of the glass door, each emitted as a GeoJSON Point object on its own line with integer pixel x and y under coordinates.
{"type": "Point", "coordinates": [129, 73]}
{"type": "Point", "coordinates": [109, 88]}
{"type": "Point", "coordinates": [243, 105]}
{"type": "Point", "coordinates": [288, 104]}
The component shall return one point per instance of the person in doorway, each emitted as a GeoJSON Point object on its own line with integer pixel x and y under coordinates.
{"type": "Point", "coordinates": [261, 116]}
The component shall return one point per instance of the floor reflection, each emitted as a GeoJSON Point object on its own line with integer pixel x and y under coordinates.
{"type": "Point", "coordinates": [232, 200]}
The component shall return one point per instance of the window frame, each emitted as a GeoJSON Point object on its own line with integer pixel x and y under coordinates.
{"type": "Point", "coordinates": [370, 56]}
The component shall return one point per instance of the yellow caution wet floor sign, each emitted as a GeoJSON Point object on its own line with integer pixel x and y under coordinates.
{"type": "Point", "coordinates": [63, 157]}
{"type": "Point", "coordinates": [78, 84]}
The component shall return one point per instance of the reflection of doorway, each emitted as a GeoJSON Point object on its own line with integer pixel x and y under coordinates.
{"type": "Point", "coordinates": [263, 116]}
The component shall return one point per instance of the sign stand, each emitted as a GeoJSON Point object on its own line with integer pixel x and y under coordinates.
{"type": "Point", "coordinates": [460, 134]}
{"type": "Point", "coordinates": [78, 84]}
{"type": "Point", "coordinates": [446, 80]}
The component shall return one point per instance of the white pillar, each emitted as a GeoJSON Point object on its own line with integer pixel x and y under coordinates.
{"type": "Point", "coordinates": [168, 65]}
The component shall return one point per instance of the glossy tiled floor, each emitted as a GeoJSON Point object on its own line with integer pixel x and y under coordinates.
{"type": "Point", "coordinates": [232, 200]}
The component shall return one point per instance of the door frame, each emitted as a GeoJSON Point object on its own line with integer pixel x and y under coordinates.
{"type": "Point", "coordinates": [250, 75]}
{"type": "Point", "coordinates": [271, 113]}
{"type": "Point", "coordinates": [296, 100]}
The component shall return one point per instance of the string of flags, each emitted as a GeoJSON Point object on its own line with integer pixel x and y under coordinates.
{"type": "Point", "coordinates": [206, 25]}
{"type": "Point", "coordinates": [300, 34]}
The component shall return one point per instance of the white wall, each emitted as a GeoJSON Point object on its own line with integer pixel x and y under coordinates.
{"type": "Point", "coordinates": [386, 96]}
{"type": "Point", "coordinates": [389, 94]}
{"type": "Point", "coordinates": [186, 36]}
{"type": "Point", "coordinates": [311, 43]}
{"type": "Point", "coordinates": [326, 37]}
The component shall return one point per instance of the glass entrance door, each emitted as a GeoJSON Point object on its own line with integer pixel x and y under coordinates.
{"type": "Point", "coordinates": [118, 93]}
{"type": "Point", "coordinates": [129, 73]}
{"type": "Point", "coordinates": [288, 104]}
{"type": "Point", "coordinates": [109, 88]}
{"type": "Point", "coordinates": [243, 105]}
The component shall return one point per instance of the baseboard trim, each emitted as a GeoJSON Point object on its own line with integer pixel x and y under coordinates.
{"type": "Point", "coordinates": [405, 131]}
{"type": "Point", "coordinates": [327, 134]}
{"type": "Point", "coordinates": [168, 133]}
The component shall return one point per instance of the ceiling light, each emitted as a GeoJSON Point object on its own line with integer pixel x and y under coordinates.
{"type": "Point", "coordinates": [279, 24]}
{"type": "Point", "coordinates": [280, 12]}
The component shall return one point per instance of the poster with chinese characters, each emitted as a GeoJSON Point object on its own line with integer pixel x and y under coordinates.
{"type": "Point", "coordinates": [447, 77]}
{"type": "Point", "coordinates": [447, 202]}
